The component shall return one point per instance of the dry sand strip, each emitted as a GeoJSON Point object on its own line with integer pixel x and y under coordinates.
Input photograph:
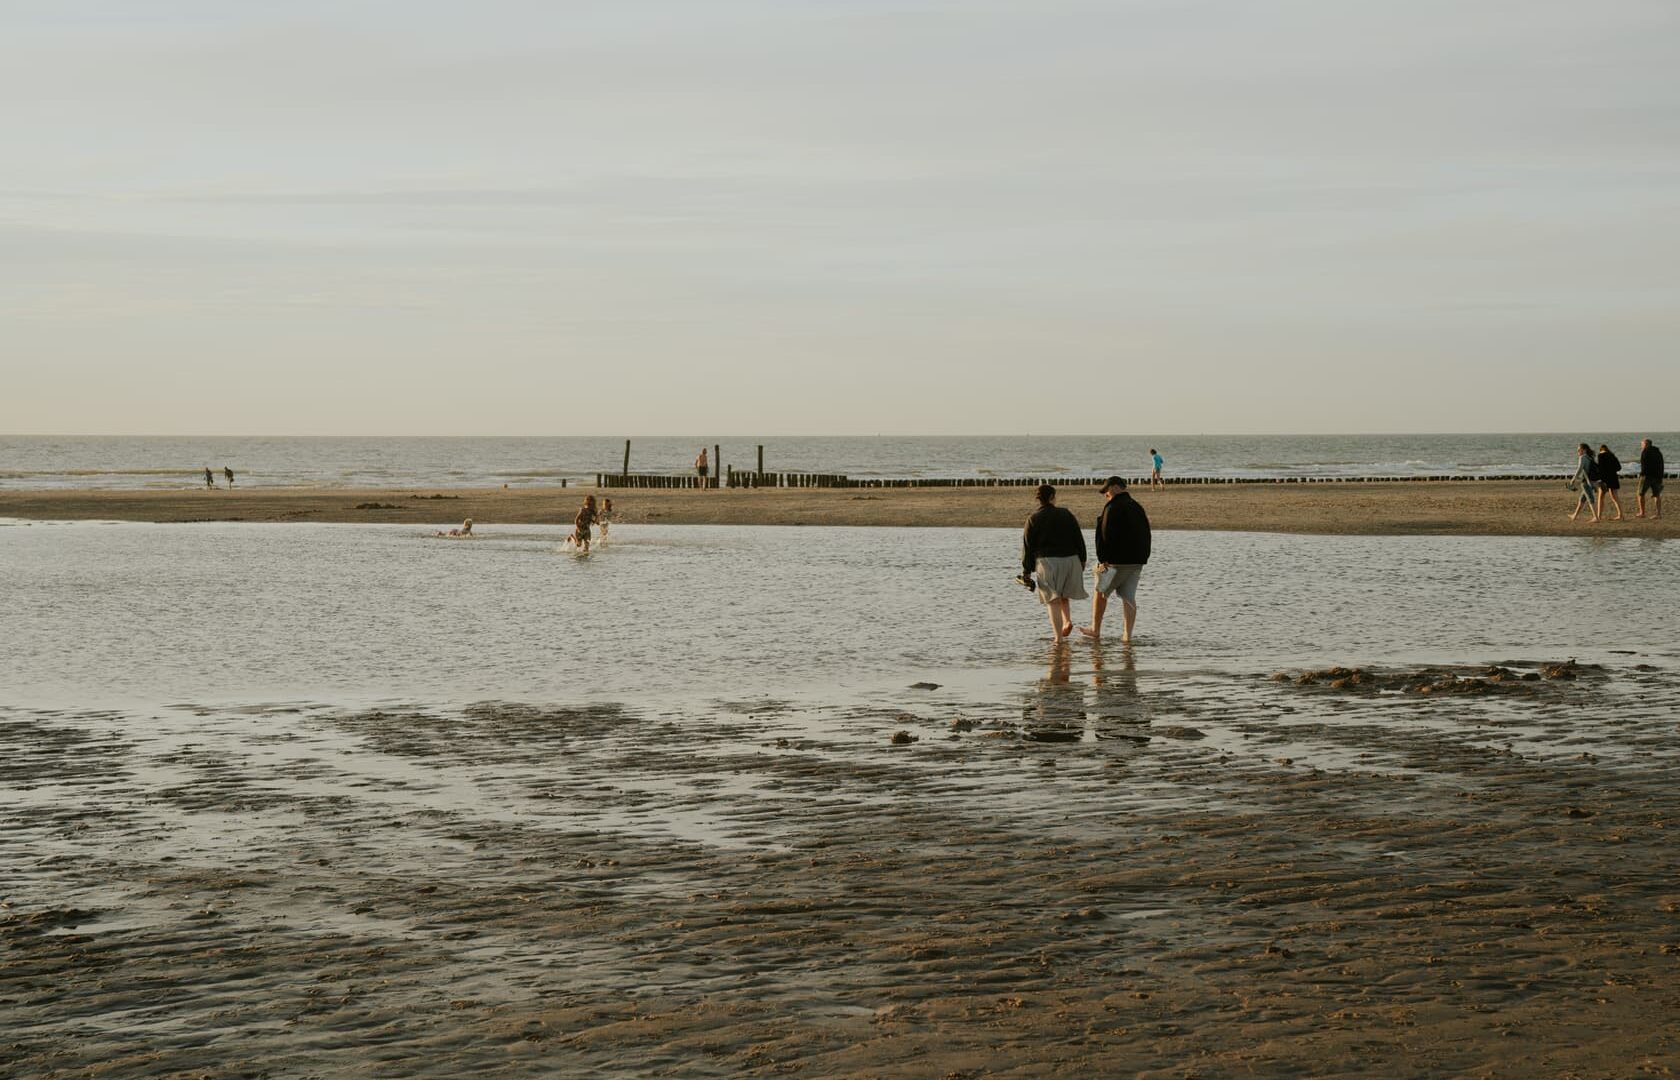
{"type": "Point", "coordinates": [1464, 508]}
{"type": "Point", "coordinates": [1132, 875]}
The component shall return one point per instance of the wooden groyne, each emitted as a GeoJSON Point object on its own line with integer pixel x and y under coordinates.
{"type": "Point", "coordinates": [733, 478]}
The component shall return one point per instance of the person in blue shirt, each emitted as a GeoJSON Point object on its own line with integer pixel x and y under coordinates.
{"type": "Point", "coordinates": [1155, 462]}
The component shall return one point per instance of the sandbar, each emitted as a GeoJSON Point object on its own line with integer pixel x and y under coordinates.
{"type": "Point", "coordinates": [1443, 508]}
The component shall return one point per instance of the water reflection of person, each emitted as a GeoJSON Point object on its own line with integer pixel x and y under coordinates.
{"type": "Point", "coordinates": [1114, 689]}
{"type": "Point", "coordinates": [1056, 711]}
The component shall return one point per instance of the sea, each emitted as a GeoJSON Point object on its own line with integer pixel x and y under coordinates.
{"type": "Point", "coordinates": [163, 462]}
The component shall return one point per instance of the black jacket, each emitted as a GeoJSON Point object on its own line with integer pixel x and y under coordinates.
{"type": "Point", "coordinates": [1122, 532]}
{"type": "Point", "coordinates": [1050, 532]}
{"type": "Point", "coordinates": [1650, 461]}
{"type": "Point", "coordinates": [1608, 465]}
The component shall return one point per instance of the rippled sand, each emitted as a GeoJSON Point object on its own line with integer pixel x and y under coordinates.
{"type": "Point", "coordinates": [1109, 872]}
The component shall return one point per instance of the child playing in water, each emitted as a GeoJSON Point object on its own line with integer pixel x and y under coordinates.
{"type": "Point", "coordinates": [603, 517]}
{"type": "Point", "coordinates": [464, 530]}
{"type": "Point", "coordinates": [581, 524]}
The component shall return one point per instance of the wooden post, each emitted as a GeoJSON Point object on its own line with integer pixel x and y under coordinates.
{"type": "Point", "coordinates": [626, 470]}
{"type": "Point", "coordinates": [717, 465]}
{"type": "Point", "coordinates": [761, 459]}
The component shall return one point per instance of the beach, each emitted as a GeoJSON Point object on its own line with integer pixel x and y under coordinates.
{"type": "Point", "coordinates": [737, 801]}
{"type": "Point", "coordinates": [1110, 874]}
{"type": "Point", "coordinates": [1398, 508]}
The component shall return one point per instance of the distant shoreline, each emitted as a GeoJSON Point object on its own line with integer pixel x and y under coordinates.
{"type": "Point", "coordinates": [1386, 508]}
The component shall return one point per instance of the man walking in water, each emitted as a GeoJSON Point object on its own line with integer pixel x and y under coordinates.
{"type": "Point", "coordinates": [1122, 549]}
{"type": "Point", "coordinates": [227, 472]}
{"type": "Point", "coordinates": [209, 477]}
{"type": "Point", "coordinates": [1650, 479]}
{"type": "Point", "coordinates": [1053, 560]}
{"type": "Point", "coordinates": [700, 467]}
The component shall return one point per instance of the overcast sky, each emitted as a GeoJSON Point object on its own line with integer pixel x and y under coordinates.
{"type": "Point", "coordinates": [839, 216]}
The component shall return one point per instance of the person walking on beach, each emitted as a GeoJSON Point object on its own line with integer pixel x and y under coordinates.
{"type": "Point", "coordinates": [582, 523]}
{"type": "Point", "coordinates": [701, 468]}
{"type": "Point", "coordinates": [209, 477]}
{"type": "Point", "coordinates": [1586, 480]}
{"type": "Point", "coordinates": [1155, 463]}
{"type": "Point", "coordinates": [1650, 479]}
{"type": "Point", "coordinates": [1609, 482]}
{"type": "Point", "coordinates": [227, 472]}
{"type": "Point", "coordinates": [1053, 559]}
{"type": "Point", "coordinates": [1122, 549]}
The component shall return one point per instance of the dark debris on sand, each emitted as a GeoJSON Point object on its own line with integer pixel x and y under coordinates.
{"type": "Point", "coordinates": [1437, 680]}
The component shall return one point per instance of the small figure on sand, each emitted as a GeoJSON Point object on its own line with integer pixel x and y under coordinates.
{"type": "Point", "coordinates": [1609, 481]}
{"type": "Point", "coordinates": [603, 517]}
{"type": "Point", "coordinates": [701, 467]}
{"type": "Point", "coordinates": [1053, 559]}
{"type": "Point", "coordinates": [1122, 549]}
{"type": "Point", "coordinates": [1585, 481]}
{"type": "Point", "coordinates": [209, 477]}
{"type": "Point", "coordinates": [1650, 479]}
{"type": "Point", "coordinates": [1155, 463]}
{"type": "Point", "coordinates": [582, 525]}
{"type": "Point", "coordinates": [464, 530]}
{"type": "Point", "coordinates": [227, 472]}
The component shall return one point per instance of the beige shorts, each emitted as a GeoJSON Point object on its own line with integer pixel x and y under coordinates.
{"type": "Point", "coordinates": [1061, 577]}
{"type": "Point", "coordinates": [1120, 578]}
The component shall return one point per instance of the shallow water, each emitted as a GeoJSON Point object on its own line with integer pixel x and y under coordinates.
{"type": "Point", "coordinates": [238, 614]}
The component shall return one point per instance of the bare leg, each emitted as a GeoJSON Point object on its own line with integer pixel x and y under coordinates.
{"type": "Point", "coordinates": [1061, 621]}
{"type": "Point", "coordinates": [1099, 604]}
{"type": "Point", "coordinates": [1656, 508]}
{"type": "Point", "coordinates": [1615, 502]}
{"type": "Point", "coordinates": [1129, 610]}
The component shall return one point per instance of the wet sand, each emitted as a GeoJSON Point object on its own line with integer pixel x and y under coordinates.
{"type": "Point", "coordinates": [1469, 508]}
{"type": "Point", "coordinates": [1103, 872]}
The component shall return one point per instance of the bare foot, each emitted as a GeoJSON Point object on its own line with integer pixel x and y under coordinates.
{"type": "Point", "coordinates": [1094, 635]}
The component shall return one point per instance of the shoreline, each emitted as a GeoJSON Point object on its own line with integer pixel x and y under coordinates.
{"type": "Point", "coordinates": [1351, 508]}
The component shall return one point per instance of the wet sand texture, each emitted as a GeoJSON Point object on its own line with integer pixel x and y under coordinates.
{"type": "Point", "coordinates": [1482, 508]}
{"type": "Point", "coordinates": [1115, 874]}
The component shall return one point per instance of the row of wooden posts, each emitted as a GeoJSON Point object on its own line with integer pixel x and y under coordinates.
{"type": "Point", "coordinates": [740, 479]}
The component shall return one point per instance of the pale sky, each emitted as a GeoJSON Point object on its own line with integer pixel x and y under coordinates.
{"type": "Point", "coordinates": [838, 216]}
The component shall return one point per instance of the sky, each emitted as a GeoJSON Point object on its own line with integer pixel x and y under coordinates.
{"type": "Point", "coordinates": [838, 216]}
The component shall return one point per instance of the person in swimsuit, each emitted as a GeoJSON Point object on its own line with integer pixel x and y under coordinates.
{"type": "Point", "coordinates": [209, 477]}
{"type": "Point", "coordinates": [1586, 480]}
{"type": "Point", "coordinates": [464, 530]}
{"type": "Point", "coordinates": [1155, 463]}
{"type": "Point", "coordinates": [582, 524]}
{"type": "Point", "coordinates": [227, 472]}
{"type": "Point", "coordinates": [603, 517]}
{"type": "Point", "coordinates": [1608, 482]}
{"type": "Point", "coordinates": [701, 468]}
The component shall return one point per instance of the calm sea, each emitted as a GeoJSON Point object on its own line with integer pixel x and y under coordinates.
{"type": "Point", "coordinates": [115, 462]}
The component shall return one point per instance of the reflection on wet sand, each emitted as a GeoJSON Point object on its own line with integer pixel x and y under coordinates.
{"type": "Point", "coordinates": [1060, 709]}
